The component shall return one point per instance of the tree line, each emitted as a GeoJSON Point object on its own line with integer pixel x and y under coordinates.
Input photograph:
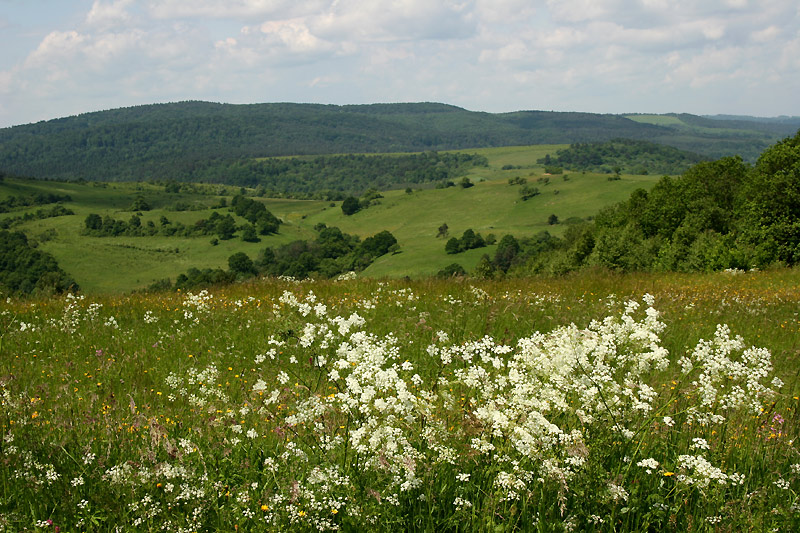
{"type": "Point", "coordinates": [261, 222]}
{"type": "Point", "coordinates": [717, 215]}
{"type": "Point", "coordinates": [20, 202]}
{"type": "Point", "coordinates": [330, 254]}
{"type": "Point", "coordinates": [622, 155]}
{"type": "Point", "coordinates": [26, 270]}
{"type": "Point", "coordinates": [200, 141]}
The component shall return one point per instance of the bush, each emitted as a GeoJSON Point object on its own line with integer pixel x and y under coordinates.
{"type": "Point", "coordinates": [350, 206]}
{"type": "Point", "coordinates": [452, 246]}
{"type": "Point", "coordinates": [528, 192]}
{"type": "Point", "coordinates": [240, 263]}
{"type": "Point", "coordinates": [452, 270]}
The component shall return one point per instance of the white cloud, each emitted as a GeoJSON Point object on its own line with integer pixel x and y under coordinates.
{"type": "Point", "coordinates": [769, 33]}
{"type": "Point", "coordinates": [234, 9]}
{"type": "Point", "coordinates": [595, 55]}
{"type": "Point", "coordinates": [580, 10]}
{"type": "Point", "coordinates": [108, 14]}
{"type": "Point", "coordinates": [56, 47]}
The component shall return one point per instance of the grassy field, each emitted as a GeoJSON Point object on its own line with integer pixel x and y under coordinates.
{"type": "Point", "coordinates": [658, 120]}
{"type": "Point", "coordinates": [118, 264]}
{"type": "Point", "coordinates": [583, 403]}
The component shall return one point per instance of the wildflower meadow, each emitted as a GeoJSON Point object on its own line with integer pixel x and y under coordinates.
{"type": "Point", "coordinates": [592, 403]}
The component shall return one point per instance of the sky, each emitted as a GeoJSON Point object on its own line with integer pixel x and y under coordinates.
{"type": "Point", "coordinates": [64, 57]}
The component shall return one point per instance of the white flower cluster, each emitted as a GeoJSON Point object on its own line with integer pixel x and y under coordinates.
{"type": "Point", "coordinates": [698, 471]}
{"type": "Point", "coordinates": [729, 376]}
{"type": "Point", "coordinates": [528, 407]}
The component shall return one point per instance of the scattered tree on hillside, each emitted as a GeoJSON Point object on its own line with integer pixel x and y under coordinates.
{"type": "Point", "coordinates": [527, 192]}
{"type": "Point", "coordinates": [140, 204]}
{"type": "Point", "coordinates": [350, 205]}
{"type": "Point", "coordinates": [451, 271]}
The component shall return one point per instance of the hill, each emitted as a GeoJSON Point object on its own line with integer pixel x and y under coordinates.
{"type": "Point", "coordinates": [102, 264]}
{"type": "Point", "coordinates": [182, 141]}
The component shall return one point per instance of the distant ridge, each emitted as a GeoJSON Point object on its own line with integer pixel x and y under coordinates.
{"type": "Point", "coordinates": [168, 141]}
{"type": "Point", "coordinates": [782, 119]}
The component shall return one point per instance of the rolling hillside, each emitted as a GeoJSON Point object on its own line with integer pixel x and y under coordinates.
{"type": "Point", "coordinates": [124, 263]}
{"type": "Point", "coordinates": [178, 141]}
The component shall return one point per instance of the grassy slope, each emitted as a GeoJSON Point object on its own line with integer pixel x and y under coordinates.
{"type": "Point", "coordinates": [492, 206]}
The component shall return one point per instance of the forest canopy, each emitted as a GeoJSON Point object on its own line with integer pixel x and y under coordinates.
{"type": "Point", "coordinates": [24, 269]}
{"type": "Point", "coordinates": [718, 215]}
{"type": "Point", "coordinates": [623, 155]}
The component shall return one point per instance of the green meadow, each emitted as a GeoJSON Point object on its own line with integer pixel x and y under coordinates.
{"type": "Point", "coordinates": [592, 402]}
{"type": "Point", "coordinates": [124, 263]}
{"type": "Point", "coordinates": [392, 400]}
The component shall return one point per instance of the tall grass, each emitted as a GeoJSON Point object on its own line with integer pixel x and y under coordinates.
{"type": "Point", "coordinates": [538, 404]}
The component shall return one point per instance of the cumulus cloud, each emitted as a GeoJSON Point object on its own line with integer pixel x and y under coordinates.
{"type": "Point", "coordinates": [593, 55]}
{"type": "Point", "coordinates": [107, 14]}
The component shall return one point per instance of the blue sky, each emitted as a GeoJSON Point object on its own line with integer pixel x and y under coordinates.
{"type": "Point", "coordinates": [62, 57]}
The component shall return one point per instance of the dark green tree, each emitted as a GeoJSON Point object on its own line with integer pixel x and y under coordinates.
{"type": "Point", "coordinates": [770, 224]}
{"type": "Point", "coordinates": [140, 204]}
{"type": "Point", "coordinates": [240, 263]}
{"type": "Point", "coordinates": [507, 250]}
{"type": "Point", "coordinates": [453, 246]}
{"type": "Point", "coordinates": [93, 222]}
{"type": "Point", "coordinates": [249, 234]}
{"type": "Point", "coordinates": [527, 192]}
{"type": "Point", "coordinates": [350, 205]}
{"type": "Point", "coordinates": [484, 269]}
{"type": "Point", "coordinates": [451, 271]}
{"type": "Point", "coordinates": [226, 227]}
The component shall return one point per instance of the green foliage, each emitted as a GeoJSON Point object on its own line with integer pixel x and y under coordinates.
{"type": "Point", "coordinates": [57, 210]}
{"type": "Point", "coordinates": [140, 204]}
{"type": "Point", "coordinates": [19, 202]}
{"type": "Point", "coordinates": [257, 214]}
{"type": "Point", "coordinates": [330, 254]}
{"type": "Point", "coordinates": [223, 226]}
{"type": "Point", "coordinates": [25, 270]}
{"type": "Point", "coordinates": [718, 215]}
{"type": "Point", "coordinates": [770, 223]}
{"type": "Point", "coordinates": [634, 157]}
{"type": "Point", "coordinates": [452, 270]}
{"type": "Point", "coordinates": [484, 269]}
{"type": "Point", "coordinates": [241, 264]}
{"type": "Point", "coordinates": [527, 192]}
{"type": "Point", "coordinates": [468, 241]}
{"type": "Point", "coordinates": [200, 141]}
{"type": "Point", "coordinates": [249, 234]}
{"type": "Point", "coordinates": [452, 246]}
{"type": "Point", "coordinates": [195, 277]}
{"type": "Point", "coordinates": [507, 250]}
{"type": "Point", "coordinates": [350, 206]}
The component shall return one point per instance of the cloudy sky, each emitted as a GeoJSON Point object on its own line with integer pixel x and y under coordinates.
{"type": "Point", "coordinates": [63, 57]}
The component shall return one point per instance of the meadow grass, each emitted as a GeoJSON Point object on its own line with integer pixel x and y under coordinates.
{"type": "Point", "coordinates": [658, 120]}
{"type": "Point", "coordinates": [533, 404]}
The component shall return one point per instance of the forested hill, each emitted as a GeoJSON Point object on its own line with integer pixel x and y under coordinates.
{"type": "Point", "coordinates": [167, 140]}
